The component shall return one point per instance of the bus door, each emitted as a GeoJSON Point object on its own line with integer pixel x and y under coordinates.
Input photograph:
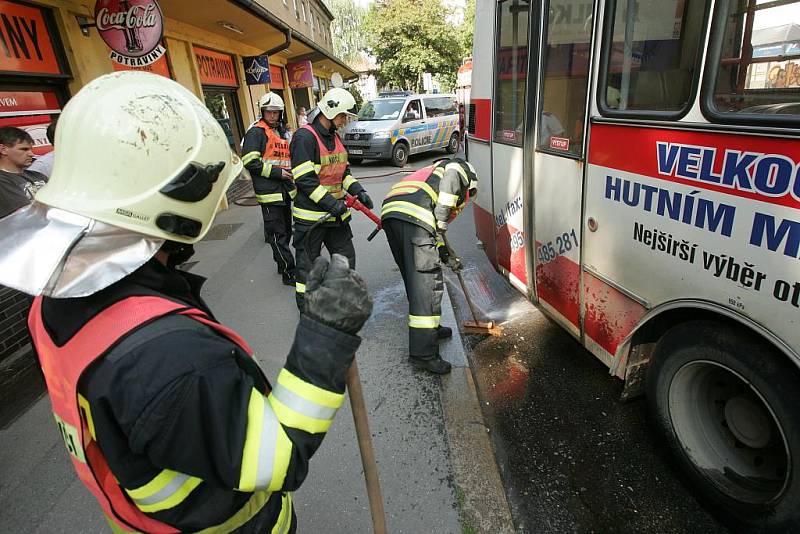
{"type": "Point", "coordinates": [558, 159]}
{"type": "Point", "coordinates": [508, 161]}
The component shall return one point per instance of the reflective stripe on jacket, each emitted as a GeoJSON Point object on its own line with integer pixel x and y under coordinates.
{"type": "Point", "coordinates": [330, 171]}
{"type": "Point", "coordinates": [268, 184]}
{"type": "Point", "coordinates": [126, 508]}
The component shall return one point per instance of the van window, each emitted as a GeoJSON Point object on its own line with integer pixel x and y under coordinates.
{"type": "Point", "coordinates": [438, 107]}
{"type": "Point", "coordinates": [511, 71]}
{"type": "Point", "coordinates": [651, 59]}
{"type": "Point", "coordinates": [413, 111]}
{"type": "Point", "coordinates": [759, 68]}
{"type": "Point", "coordinates": [381, 109]}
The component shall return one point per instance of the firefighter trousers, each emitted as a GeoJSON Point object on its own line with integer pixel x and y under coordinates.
{"type": "Point", "coordinates": [278, 233]}
{"type": "Point", "coordinates": [337, 239]}
{"type": "Point", "coordinates": [415, 253]}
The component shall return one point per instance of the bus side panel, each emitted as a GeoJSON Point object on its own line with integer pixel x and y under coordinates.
{"type": "Point", "coordinates": [480, 124]}
{"type": "Point", "coordinates": [507, 163]}
{"type": "Point", "coordinates": [557, 214]}
{"type": "Point", "coordinates": [693, 215]}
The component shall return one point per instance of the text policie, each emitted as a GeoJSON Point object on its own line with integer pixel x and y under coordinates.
{"type": "Point", "coordinates": [767, 231]}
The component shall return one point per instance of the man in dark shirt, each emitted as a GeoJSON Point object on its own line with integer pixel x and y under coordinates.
{"type": "Point", "coordinates": [17, 184]}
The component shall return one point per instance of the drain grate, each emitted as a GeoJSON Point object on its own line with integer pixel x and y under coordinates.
{"type": "Point", "coordinates": [221, 232]}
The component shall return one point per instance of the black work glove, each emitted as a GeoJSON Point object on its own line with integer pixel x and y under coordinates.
{"type": "Point", "coordinates": [363, 197]}
{"type": "Point", "coordinates": [338, 209]}
{"type": "Point", "coordinates": [444, 255]}
{"type": "Point", "coordinates": [336, 295]}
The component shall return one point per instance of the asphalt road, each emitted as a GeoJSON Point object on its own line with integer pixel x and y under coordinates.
{"type": "Point", "coordinates": [573, 458]}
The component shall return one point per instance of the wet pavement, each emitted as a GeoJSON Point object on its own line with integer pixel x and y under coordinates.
{"type": "Point", "coordinates": [573, 457]}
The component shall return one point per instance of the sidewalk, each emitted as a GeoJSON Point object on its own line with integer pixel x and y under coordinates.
{"type": "Point", "coordinates": [436, 465]}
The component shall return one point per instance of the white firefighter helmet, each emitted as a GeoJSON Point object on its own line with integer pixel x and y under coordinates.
{"type": "Point", "coordinates": [271, 102]}
{"type": "Point", "coordinates": [140, 152]}
{"type": "Point", "coordinates": [335, 102]}
{"type": "Point", "coordinates": [140, 160]}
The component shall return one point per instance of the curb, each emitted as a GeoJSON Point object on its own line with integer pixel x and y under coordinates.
{"type": "Point", "coordinates": [478, 485]}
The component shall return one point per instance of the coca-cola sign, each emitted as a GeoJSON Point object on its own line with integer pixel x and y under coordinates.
{"type": "Point", "coordinates": [133, 29]}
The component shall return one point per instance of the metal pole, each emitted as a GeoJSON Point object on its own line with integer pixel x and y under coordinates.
{"type": "Point", "coordinates": [365, 446]}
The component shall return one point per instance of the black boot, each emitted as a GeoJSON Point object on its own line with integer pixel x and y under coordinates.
{"type": "Point", "coordinates": [444, 332]}
{"type": "Point", "coordinates": [434, 364]}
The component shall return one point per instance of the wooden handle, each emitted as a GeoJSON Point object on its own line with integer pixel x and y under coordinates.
{"type": "Point", "coordinates": [367, 453]}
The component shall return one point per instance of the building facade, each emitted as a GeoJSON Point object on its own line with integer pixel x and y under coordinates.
{"type": "Point", "coordinates": [49, 49]}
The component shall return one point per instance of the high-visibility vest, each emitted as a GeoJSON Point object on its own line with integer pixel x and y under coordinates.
{"type": "Point", "coordinates": [63, 367]}
{"type": "Point", "coordinates": [330, 171]}
{"type": "Point", "coordinates": [414, 198]}
{"type": "Point", "coordinates": [276, 153]}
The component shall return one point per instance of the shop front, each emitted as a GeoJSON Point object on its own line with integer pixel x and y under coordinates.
{"type": "Point", "coordinates": [33, 70]}
{"type": "Point", "coordinates": [220, 84]}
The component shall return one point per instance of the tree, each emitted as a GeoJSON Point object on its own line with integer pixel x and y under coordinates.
{"type": "Point", "coordinates": [411, 37]}
{"type": "Point", "coordinates": [466, 29]}
{"type": "Point", "coordinates": [347, 29]}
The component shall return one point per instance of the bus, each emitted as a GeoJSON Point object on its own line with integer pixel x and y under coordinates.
{"type": "Point", "coordinates": [639, 165]}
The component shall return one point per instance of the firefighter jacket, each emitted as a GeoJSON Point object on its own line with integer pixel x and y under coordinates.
{"type": "Point", "coordinates": [171, 418]}
{"type": "Point", "coordinates": [321, 173]}
{"type": "Point", "coordinates": [430, 197]}
{"type": "Point", "coordinates": [265, 155]}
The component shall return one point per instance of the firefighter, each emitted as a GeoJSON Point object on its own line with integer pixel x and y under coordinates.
{"type": "Point", "coordinates": [166, 416]}
{"type": "Point", "coordinates": [415, 215]}
{"type": "Point", "coordinates": [323, 178]}
{"type": "Point", "coordinates": [266, 157]}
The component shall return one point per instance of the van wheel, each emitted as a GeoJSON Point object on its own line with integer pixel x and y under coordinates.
{"type": "Point", "coordinates": [452, 146]}
{"type": "Point", "coordinates": [399, 154]}
{"type": "Point", "coordinates": [355, 161]}
{"type": "Point", "coordinates": [725, 405]}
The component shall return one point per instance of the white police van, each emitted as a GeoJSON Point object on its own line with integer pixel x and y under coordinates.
{"type": "Point", "coordinates": [398, 124]}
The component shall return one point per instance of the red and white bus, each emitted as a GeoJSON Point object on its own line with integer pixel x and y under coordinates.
{"type": "Point", "coordinates": [639, 166]}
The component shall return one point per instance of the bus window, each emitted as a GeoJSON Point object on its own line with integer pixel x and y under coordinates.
{"type": "Point", "coordinates": [565, 76]}
{"type": "Point", "coordinates": [651, 59]}
{"type": "Point", "coordinates": [758, 72]}
{"type": "Point", "coordinates": [512, 71]}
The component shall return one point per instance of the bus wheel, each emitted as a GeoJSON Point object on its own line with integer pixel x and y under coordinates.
{"type": "Point", "coordinates": [399, 154]}
{"type": "Point", "coordinates": [452, 146]}
{"type": "Point", "coordinates": [725, 405]}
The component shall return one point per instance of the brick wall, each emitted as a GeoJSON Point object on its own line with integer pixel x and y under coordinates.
{"type": "Point", "coordinates": [13, 317]}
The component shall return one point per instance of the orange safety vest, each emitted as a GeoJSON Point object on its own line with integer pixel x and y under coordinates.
{"type": "Point", "coordinates": [276, 153]}
{"type": "Point", "coordinates": [63, 368]}
{"type": "Point", "coordinates": [333, 163]}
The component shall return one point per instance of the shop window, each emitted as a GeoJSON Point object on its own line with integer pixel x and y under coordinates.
{"type": "Point", "coordinates": [651, 55]}
{"type": "Point", "coordinates": [222, 105]}
{"type": "Point", "coordinates": [512, 71]}
{"type": "Point", "coordinates": [565, 77]}
{"type": "Point", "coordinates": [758, 71]}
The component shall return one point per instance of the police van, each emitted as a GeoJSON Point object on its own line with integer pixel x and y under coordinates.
{"type": "Point", "coordinates": [394, 126]}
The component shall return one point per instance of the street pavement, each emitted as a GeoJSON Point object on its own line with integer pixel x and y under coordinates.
{"type": "Point", "coordinates": [437, 469]}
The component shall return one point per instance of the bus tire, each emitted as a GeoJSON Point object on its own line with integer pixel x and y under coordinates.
{"type": "Point", "coordinates": [355, 161]}
{"type": "Point", "coordinates": [399, 154]}
{"type": "Point", "coordinates": [452, 145]}
{"type": "Point", "coordinates": [725, 404]}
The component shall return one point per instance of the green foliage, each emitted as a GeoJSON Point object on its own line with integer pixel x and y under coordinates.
{"type": "Point", "coordinates": [411, 37]}
{"type": "Point", "coordinates": [466, 30]}
{"type": "Point", "coordinates": [347, 29]}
